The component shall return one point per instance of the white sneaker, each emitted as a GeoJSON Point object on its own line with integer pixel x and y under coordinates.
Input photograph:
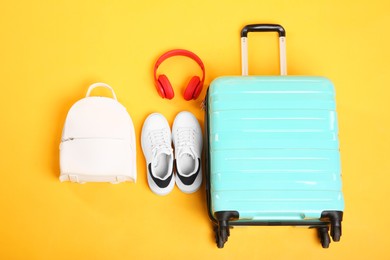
{"type": "Point", "coordinates": [157, 149]}
{"type": "Point", "coordinates": [187, 139]}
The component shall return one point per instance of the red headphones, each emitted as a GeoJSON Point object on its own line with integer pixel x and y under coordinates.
{"type": "Point", "coordinates": [164, 87]}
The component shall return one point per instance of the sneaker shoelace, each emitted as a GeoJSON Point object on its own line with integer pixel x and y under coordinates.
{"type": "Point", "coordinates": [185, 142]}
{"type": "Point", "coordinates": [160, 145]}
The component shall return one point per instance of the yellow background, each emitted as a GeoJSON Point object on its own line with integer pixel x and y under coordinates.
{"type": "Point", "coordinates": [52, 50]}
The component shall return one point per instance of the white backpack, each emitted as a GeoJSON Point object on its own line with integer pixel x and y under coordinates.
{"type": "Point", "coordinates": [98, 141]}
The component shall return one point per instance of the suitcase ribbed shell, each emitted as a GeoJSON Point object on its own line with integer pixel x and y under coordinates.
{"type": "Point", "coordinates": [274, 150]}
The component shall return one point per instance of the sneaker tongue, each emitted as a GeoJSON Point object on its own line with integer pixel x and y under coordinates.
{"type": "Point", "coordinates": [161, 151]}
{"type": "Point", "coordinates": [186, 151]}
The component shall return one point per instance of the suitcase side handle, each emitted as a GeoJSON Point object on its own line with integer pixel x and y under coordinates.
{"type": "Point", "coordinates": [263, 28]}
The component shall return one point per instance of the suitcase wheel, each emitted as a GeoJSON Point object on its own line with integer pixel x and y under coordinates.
{"type": "Point", "coordinates": [323, 233]}
{"type": "Point", "coordinates": [336, 233]}
{"type": "Point", "coordinates": [221, 235]}
{"type": "Point", "coordinates": [221, 227]}
{"type": "Point", "coordinates": [220, 242]}
{"type": "Point", "coordinates": [335, 218]}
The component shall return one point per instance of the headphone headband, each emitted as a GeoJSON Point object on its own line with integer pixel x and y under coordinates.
{"type": "Point", "coordinates": [179, 52]}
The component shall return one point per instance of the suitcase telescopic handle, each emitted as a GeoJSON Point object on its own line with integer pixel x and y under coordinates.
{"type": "Point", "coordinates": [263, 28]}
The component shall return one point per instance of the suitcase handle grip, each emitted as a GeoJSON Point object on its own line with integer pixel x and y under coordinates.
{"type": "Point", "coordinates": [263, 28]}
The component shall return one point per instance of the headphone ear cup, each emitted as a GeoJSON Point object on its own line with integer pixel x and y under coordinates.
{"type": "Point", "coordinates": [192, 88]}
{"type": "Point", "coordinates": [165, 87]}
{"type": "Point", "coordinates": [160, 89]}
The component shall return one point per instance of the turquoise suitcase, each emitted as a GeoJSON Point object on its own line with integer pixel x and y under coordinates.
{"type": "Point", "coordinates": [272, 150]}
